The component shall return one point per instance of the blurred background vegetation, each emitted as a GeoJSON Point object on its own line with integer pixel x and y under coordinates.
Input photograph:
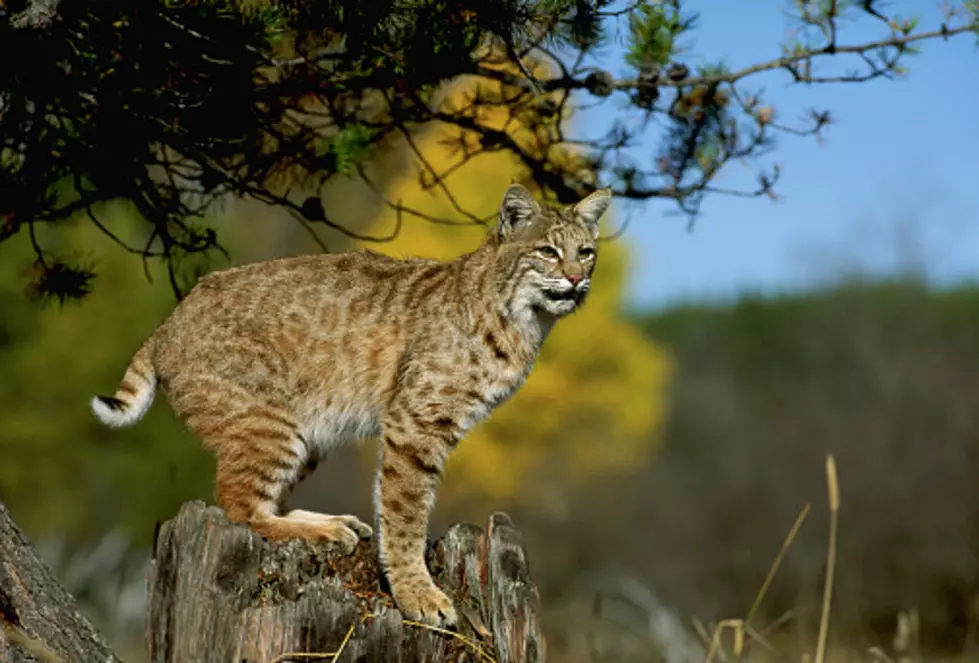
{"type": "Point", "coordinates": [655, 458]}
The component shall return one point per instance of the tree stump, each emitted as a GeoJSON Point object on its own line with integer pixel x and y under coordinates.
{"type": "Point", "coordinates": [39, 620]}
{"type": "Point", "coordinates": [220, 592]}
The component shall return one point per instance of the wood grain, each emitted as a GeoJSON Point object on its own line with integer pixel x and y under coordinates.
{"type": "Point", "coordinates": [220, 592]}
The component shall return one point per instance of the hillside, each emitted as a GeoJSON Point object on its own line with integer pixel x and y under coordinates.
{"type": "Point", "coordinates": [884, 376]}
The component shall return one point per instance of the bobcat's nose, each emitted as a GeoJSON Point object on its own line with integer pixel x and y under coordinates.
{"type": "Point", "coordinates": [575, 278]}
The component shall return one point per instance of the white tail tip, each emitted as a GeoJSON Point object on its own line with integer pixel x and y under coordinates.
{"type": "Point", "coordinates": [117, 413]}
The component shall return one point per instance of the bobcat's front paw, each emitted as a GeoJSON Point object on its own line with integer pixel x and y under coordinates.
{"type": "Point", "coordinates": [422, 601]}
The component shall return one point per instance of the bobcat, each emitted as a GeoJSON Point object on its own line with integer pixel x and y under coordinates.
{"type": "Point", "coordinates": [273, 363]}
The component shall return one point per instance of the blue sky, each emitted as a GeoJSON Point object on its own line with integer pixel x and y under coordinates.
{"type": "Point", "coordinates": [893, 186]}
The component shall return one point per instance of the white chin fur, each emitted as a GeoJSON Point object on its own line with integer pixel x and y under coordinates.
{"type": "Point", "coordinates": [559, 308]}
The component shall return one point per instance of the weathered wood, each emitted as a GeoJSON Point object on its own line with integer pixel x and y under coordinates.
{"type": "Point", "coordinates": [220, 592]}
{"type": "Point", "coordinates": [40, 620]}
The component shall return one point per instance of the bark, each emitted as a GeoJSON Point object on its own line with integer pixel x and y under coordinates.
{"type": "Point", "coordinates": [219, 592]}
{"type": "Point", "coordinates": [40, 620]}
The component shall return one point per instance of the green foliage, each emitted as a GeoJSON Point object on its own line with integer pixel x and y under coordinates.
{"type": "Point", "coordinates": [349, 147]}
{"type": "Point", "coordinates": [276, 20]}
{"type": "Point", "coordinates": [583, 26]}
{"type": "Point", "coordinates": [654, 28]}
{"type": "Point", "coordinates": [764, 340]}
{"type": "Point", "coordinates": [59, 280]}
{"type": "Point", "coordinates": [63, 472]}
{"type": "Point", "coordinates": [971, 8]}
{"type": "Point", "coordinates": [177, 105]}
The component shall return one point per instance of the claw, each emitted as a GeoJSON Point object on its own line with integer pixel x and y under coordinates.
{"type": "Point", "coordinates": [363, 530]}
{"type": "Point", "coordinates": [344, 531]}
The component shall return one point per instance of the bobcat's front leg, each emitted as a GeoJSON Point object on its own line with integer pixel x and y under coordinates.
{"type": "Point", "coordinates": [412, 455]}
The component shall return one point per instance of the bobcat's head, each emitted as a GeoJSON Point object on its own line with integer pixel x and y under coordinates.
{"type": "Point", "coordinates": [550, 252]}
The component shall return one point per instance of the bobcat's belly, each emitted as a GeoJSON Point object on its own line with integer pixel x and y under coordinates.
{"type": "Point", "coordinates": [334, 425]}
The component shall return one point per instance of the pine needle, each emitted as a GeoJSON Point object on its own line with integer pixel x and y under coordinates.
{"type": "Point", "coordinates": [833, 488]}
{"type": "Point", "coordinates": [16, 636]}
{"type": "Point", "coordinates": [786, 544]}
{"type": "Point", "coordinates": [472, 644]}
{"type": "Point", "coordinates": [333, 656]}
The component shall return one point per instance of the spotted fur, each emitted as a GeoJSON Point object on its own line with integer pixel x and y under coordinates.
{"type": "Point", "coordinates": [273, 363]}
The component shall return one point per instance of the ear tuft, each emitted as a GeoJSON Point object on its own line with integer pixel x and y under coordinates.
{"type": "Point", "coordinates": [591, 208]}
{"type": "Point", "coordinates": [517, 210]}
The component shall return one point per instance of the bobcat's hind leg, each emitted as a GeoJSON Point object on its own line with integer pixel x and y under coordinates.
{"type": "Point", "coordinates": [259, 462]}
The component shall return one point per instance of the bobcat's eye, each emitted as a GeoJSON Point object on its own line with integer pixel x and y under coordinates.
{"type": "Point", "coordinates": [586, 253]}
{"type": "Point", "coordinates": [548, 252]}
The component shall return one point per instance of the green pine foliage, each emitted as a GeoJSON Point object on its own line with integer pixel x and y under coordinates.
{"type": "Point", "coordinates": [177, 105]}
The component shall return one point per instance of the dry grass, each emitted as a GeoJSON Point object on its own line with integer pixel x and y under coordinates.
{"type": "Point", "coordinates": [334, 656]}
{"type": "Point", "coordinates": [317, 656]}
{"type": "Point", "coordinates": [36, 648]}
{"type": "Point", "coordinates": [743, 635]}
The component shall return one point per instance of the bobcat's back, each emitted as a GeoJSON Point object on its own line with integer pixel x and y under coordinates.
{"type": "Point", "coordinates": [318, 335]}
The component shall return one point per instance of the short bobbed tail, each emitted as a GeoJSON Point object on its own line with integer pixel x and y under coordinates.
{"type": "Point", "coordinates": [135, 393]}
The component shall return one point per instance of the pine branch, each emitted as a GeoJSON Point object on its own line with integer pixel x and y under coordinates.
{"type": "Point", "coordinates": [175, 106]}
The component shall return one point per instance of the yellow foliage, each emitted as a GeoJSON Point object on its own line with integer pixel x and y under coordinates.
{"type": "Point", "coordinates": [595, 399]}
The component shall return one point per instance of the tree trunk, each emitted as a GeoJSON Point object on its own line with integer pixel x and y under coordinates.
{"type": "Point", "coordinates": [40, 620]}
{"type": "Point", "coordinates": [220, 592]}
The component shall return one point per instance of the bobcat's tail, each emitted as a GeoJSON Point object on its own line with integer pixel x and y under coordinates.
{"type": "Point", "coordinates": [135, 393]}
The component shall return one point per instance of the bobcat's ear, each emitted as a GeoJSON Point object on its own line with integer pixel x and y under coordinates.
{"type": "Point", "coordinates": [591, 208]}
{"type": "Point", "coordinates": [517, 210]}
